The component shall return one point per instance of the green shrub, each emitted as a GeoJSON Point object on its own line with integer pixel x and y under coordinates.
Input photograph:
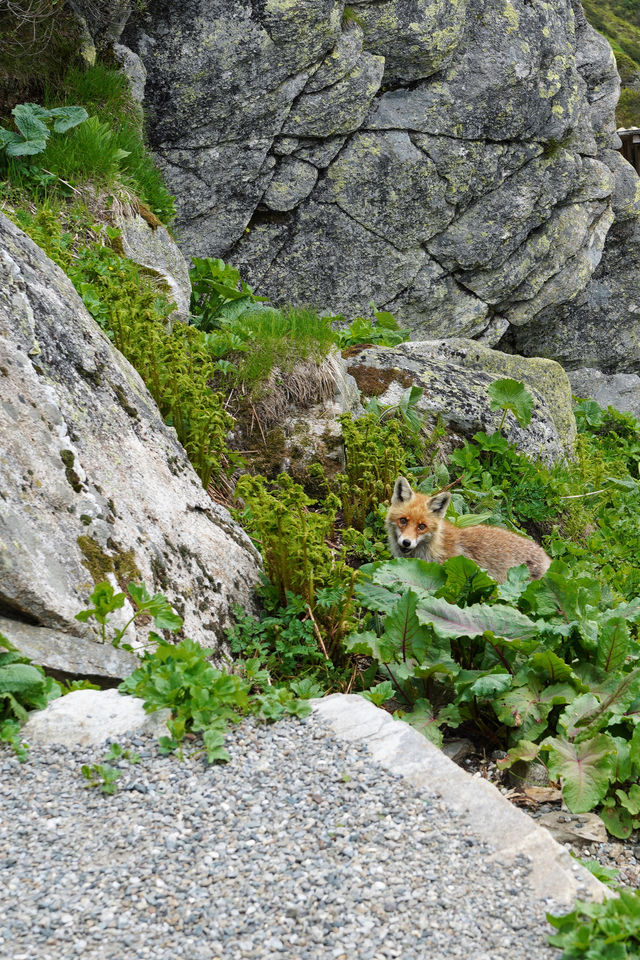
{"type": "Point", "coordinates": [23, 687]}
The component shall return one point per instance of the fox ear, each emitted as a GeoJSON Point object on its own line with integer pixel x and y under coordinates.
{"type": "Point", "coordinates": [438, 504]}
{"type": "Point", "coordinates": [402, 491]}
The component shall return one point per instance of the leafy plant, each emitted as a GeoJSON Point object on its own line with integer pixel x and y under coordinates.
{"type": "Point", "coordinates": [550, 663]}
{"type": "Point", "coordinates": [33, 123]}
{"type": "Point", "coordinates": [104, 775]}
{"type": "Point", "coordinates": [380, 330]}
{"type": "Point", "coordinates": [511, 396]}
{"type": "Point", "coordinates": [174, 361]}
{"type": "Point", "coordinates": [292, 538]}
{"type": "Point", "coordinates": [23, 687]}
{"type": "Point", "coordinates": [106, 601]}
{"type": "Point", "coordinates": [599, 931]}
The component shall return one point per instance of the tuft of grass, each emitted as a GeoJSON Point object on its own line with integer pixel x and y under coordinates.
{"type": "Point", "coordinates": [280, 338]}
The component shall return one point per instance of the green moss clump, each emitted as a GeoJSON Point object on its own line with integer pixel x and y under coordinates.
{"type": "Point", "coordinates": [73, 479]}
{"type": "Point", "coordinates": [122, 563]}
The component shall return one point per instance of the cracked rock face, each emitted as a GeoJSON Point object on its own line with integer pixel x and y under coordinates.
{"type": "Point", "coordinates": [449, 159]}
{"type": "Point", "coordinates": [93, 484]}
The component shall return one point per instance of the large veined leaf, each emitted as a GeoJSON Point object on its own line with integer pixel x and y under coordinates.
{"type": "Point", "coordinates": [527, 706]}
{"type": "Point", "coordinates": [20, 678]}
{"type": "Point", "coordinates": [28, 121]}
{"type": "Point", "coordinates": [585, 769]}
{"type": "Point", "coordinates": [614, 644]}
{"type": "Point", "coordinates": [67, 117]}
{"type": "Point", "coordinates": [423, 718]}
{"type": "Point", "coordinates": [626, 611]}
{"type": "Point", "coordinates": [417, 574]}
{"type": "Point", "coordinates": [579, 712]}
{"type": "Point", "coordinates": [523, 750]}
{"type": "Point", "coordinates": [449, 620]}
{"type": "Point", "coordinates": [508, 394]}
{"type": "Point", "coordinates": [370, 645]}
{"type": "Point", "coordinates": [411, 638]}
{"type": "Point", "coordinates": [518, 579]}
{"type": "Point", "coordinates": [375, 596]}
{"type": "Point", "coordinates": [551, 666]}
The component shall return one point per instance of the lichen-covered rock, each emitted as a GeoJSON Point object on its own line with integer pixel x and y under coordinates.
{"type": "Point", "coordinates": [455, 375]}
{"type": "Point", "coordinates": [292, 181]}
{"type": "Point", "coordinates": [153, 248]}
{"type": "Point", "coordinates": [389, 186]}
{"type": "Point", "coordinates": [416, 39]}
{"type": "Point", "coordinates": [93, 485]}
{"type": "Point", "coordinates": [340, 108]}
{"type": "Point", "coordinates": [600, 325]}
{"type": "Point", "coordinates": [620, 391]}
{"type": "Point", "coordinates": [465, 147]}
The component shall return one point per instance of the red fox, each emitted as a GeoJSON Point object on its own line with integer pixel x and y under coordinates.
{"type": "Point", "coordinates": [417, 528]}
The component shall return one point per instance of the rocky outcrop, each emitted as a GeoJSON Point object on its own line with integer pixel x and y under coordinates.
{"type": "Point", "coordinates": [452, 160]}
{"type": "Point", "coordinates": [93, 484]}
{"type": "Point", "coordinates": [619, 390]}
{"type": "Point", "coordinates": [455, 375]}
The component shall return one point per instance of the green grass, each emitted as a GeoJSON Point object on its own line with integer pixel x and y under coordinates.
{"type": "Point", "coordinates": [280, 338]}
{"type": "Point", "coordinates": [108, 150]}
{"type": "Point", "coordinates": [619, 22]}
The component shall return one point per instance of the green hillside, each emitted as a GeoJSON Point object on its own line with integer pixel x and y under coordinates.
{"type": "Point", "coordinates": [619, 22]}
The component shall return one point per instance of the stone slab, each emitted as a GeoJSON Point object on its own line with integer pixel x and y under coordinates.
{"type": "Point", "coordinates": [403, 751]}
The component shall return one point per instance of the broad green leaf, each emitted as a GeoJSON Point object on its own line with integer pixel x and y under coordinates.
{"type": "Point", "coordinates": [618, 822]}
{"type": "Point", "coordinates": [8, 136]}
{"type": "Point", "coordinates": [417, 574]}
{"type": "Point", "coordinates": [580, 711]}
{"type": "Point", "coordinates": [380, 693]}
{"type": "Point", "coordinates": [376, 597]}
{"type": "Point", "coordinates": [585, 769]}
{"type": "Point", "coordinates": [508, 394]}
{"type": "Point", "coordinates": [423, 719]}
{"type": "Point", "coordinates": [473, 520]}
{"type": "Point", "coordinates": [370, 645]}
{"type": "Point", "coordinates": [20, 679]}
{"type": "Point", "coordinates": [518, 579]}
{"type": "Point", "coordinates": [631, 799]}
{"type": "Point", "coordinates": [67, 117]}
{"type": "Point", "coordinates": [524, 750]}
{"type": "Point", "coordinates": [29, 122]}
{"type": "Point", "coordinates": [450, 621]}
{"type": "Point", "coordinates": [523, 708]}
{"type": "Point", "coordinates": [614, 644]}
{"type": "Point", "coordinates": [466, 582]}
{"type": "Point", "coordinates": [548, 664]}
{"type": "Point", "coordinates": [25, 148]}
{"type": "Point", "coordinates": [402, 626]}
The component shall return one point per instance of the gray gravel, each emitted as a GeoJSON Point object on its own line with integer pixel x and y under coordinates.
{"type": "Point", "coordinates": [299, 848]}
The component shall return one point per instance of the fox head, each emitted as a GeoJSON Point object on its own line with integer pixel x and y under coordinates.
{"type": "Point", "coordinates": [414, 518]}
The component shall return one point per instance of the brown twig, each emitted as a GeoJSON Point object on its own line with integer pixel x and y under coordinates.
{"type": "Point", "coordinates": [317, 633]}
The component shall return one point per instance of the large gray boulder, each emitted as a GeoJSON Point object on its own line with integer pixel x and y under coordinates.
{"type": "Point", "coordinates": [455, 376]}
{"type": "Point", "coordinates": [93, 484]}
{"type": "Point", "coordinates": [449, 159]}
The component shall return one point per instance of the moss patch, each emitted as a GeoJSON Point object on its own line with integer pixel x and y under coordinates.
{"type": "Point", "coordinates": [73, 479]}
{"type": "Point", "coordinates": [372, 381]}
{"type": "Point", "coordinates": [122, 563]}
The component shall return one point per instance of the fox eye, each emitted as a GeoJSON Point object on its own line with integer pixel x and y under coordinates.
{"type": "Point", "coordinates": [402, 522]}
{"type": "Point", "coordinates": [422, 526]}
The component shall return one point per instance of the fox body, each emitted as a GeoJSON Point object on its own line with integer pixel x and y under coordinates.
{"type": "Point", "coordinates": [417, 528]}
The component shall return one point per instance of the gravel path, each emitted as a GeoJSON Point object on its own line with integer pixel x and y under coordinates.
{"type": "Point", "coordinates": [299, 849]}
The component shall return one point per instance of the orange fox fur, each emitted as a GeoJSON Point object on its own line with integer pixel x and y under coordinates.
{"type": "Point", "coordinates": [417, 528]}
